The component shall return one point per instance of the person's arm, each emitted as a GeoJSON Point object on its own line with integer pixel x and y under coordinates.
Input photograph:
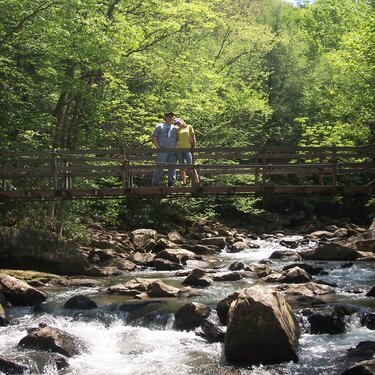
{"type": "Point", "coordinates": [154, 137]}
{"type": "Point", "coordinates": [154, 140]}
{"type": "Point", "coordinates": [193, 140]}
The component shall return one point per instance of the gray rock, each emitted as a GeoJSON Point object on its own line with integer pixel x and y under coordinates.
{"type": "Point", "coordinates": [19, 293]}
{"type": "Point", "coordinates": [229, 276]}
{"type": "Point", "coordinates": [367, 320]}
{"type": "Point", "coordinates": [54, 340]}
{"type": "Point", "coordinates": [222, 307]}
{"type": "Point", "coordinates": [285, 255]}
{"type": "Point", "coordinates": [236, 266]}
{"type": "Point", "coordinates": [10, 367]}
{"type": "Point", "coordinates": [80, 303]}
{"type": "Point", "coordinates": [215, 241]}
{"type": "Point", "coordinates": [197, 277]}
{"type": "Point", "coordinates": [371, 292]}
{"type": "Point", "coordinates": [34, 250]}
{"type": "Point", "coordinates": [361, 368]}
{"type": "Point", "coordinates": [139, 237]}
{"type": "Point", "coordinates": [191, 315]}
{"type": "Point", "coordinates": [166, 265]}
{"type": "Point", "coordinates": [4, 318]}
{"type": "Point", "coordinates": [331, 322]}
{"type": "Point", "coordinates": [261, 329]}
{"type": "Point", "coordinates": [364, 350]}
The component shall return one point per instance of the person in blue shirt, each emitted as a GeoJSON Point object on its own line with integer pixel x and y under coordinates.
{"type": "Point", "coordinates": [163, 137]}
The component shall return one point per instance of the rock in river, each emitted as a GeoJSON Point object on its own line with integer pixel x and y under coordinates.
{"type": "Point", "coordinates": [191, 315]}
{"type": "Point", "coordinates": [31, 249]}
{"type": "Point", "coordinates": [80, 303]}
{"type": "Point", "coordinates": [8, 366]}
{"type": "Point", "coordinates": [331, 322]}
{"type": "Point", "coordinates": [19, 293]}
{"type": "Point", "coordinates": [262, 328]}
{"type": "Point", "coordinates": [197, 277]}
{"type": "Point", "coordinates": [52, 339]}
{"type": "Point", "coordinates": [4, 318]}
{"type": "Point", "coordinates": [361, 368]}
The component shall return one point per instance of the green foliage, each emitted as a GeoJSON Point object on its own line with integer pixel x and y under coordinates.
{"type": "Point", "coordinates": [89, 73]}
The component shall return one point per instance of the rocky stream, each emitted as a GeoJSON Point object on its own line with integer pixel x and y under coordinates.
{"type": "Point", "coordinates": [215, 300]}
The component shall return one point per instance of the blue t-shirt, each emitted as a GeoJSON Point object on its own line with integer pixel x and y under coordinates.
{"type": "Point", "coordinates": [166, 135]}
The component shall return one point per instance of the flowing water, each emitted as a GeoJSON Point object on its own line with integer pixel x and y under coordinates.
{"type": "Point", "coordinates": [144, 341]}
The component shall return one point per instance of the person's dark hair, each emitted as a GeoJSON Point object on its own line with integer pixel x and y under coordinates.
{"type": "Point", "coordinates": [169, 114]}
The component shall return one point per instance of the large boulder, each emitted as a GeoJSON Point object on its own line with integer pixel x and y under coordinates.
{"type": "Point", "coordinates": [197, 277]}
{"type": "Point", "coordinates": [309, 268]}
{"type": "Point", "coordinates": [176, 237]}
{"type": "Point", "coordinates": [364, 350]}
{"type": "Point", "coordinates": [81, 283]}
{"type": "Point", "coordinates": [191, 315]}
{"type": "Point", "coordinates": [261, 270]}
{"type": "Point", "coordinates": [331, 251]}
{"type": "Point", "coordinates": [363, 242]}
{"type": "Point", "coordinates": [262, 328]}
{"type": "Point", "coordinates": [361, 368]}
{"type": "Point", "coordinates": [228, 276]}
{"type": "Point", "coordinates": [80, 303]}
{"type": "Point", "coordinates": [31, 249]}
{"type": "Point", "coordinates": [9, 367]}
{"type": "Point", "coordinates": [19, 293]}
{"type": "Point", "coordinates": [242, 245]}
{"type": "Point", "coordinates": [54, 340]}
{"type": "Point", "coordinates": [140, 237]}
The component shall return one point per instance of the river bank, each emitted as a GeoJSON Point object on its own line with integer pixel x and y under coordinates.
{"type": "Point", "coordinates": [323, 275]}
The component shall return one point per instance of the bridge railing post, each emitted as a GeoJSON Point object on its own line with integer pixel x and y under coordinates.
{"type": "Point", "coordinates": [127, 180]}
{"type": "Point", "coordinates": [55, 172]}
{"type": "Point", "coordinates": [334, 166]}
{"type": "Point", "coordinates": [4, 180]}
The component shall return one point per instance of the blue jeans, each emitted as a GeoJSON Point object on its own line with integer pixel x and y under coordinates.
{"type": "Point", "coordinates": [164, 158]}
{"type": "Point", "coordinates": [183, 156]}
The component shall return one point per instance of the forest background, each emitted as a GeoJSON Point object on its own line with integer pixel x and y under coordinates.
{"type": "Point", "coordinates": [101, 73]}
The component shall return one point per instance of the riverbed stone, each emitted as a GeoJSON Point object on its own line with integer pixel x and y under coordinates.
{"type": "Point", "coordinates": [191, 315]}
{"type": "Point", "coordinates": [371, 292]}
{"type": "Point", "coordinates": [4, 318]}
{"type": "Point", "coordinates": [36, 250]}
{"type": "Point", "coordinates": [291, 275]}
{"type": "Point", "coordinates": [200, 249]}
{"type": "Point", "coordinates": [331, 322]}
{"type": "Point", "coordinates": [236, 266]}
{"type": "Point", "coordinates": [331, 252]}
{"type": "Point", "coordinates": [166, 265]}
{"type": "Point", "coordinates": [53, 339]}
{"type": "Point", "coordinates": [361, 368]}
{"type": "Point", "coordinates": [261, 270]}
{"type": "Point", "coordinates": [310, 289]}
{"type": "Point", "coordinates": [364, 350]}
{"type": "Point", "coordinates": [9, 366]}
{"type": "Point", "coordinates": [198, 277]}
{"type": "Point", "coordinates": [120, 263]}
{"type": "Point", "coordinates": [176, 255]}
{"type": "Point", "coordinates": [19, 293]}
{"type": "Point", "coordinates": [142, 259]}
{"type": "Point", "coordinates": [367, 319]}
{"type": "Point", "coordinates": [176, 237]}
{"type": "Point", "coordinates": [211, 331]}
{"type": "Point", "coordinates": [80, 302]}
{"type": "Point", "coordinates": [81, 283]}
{"type": "Point", "coordinates": [215, 241]}
{"type": "Point", "coordinates": [285, 255]}
{"type": "Point", "coordinates": [311, 269]}
{"type": "Point", "coordinates": [262, 328]}
{"type": "Point", "coordinates": [242, 245]}
{"type": "Point", "coordinates": [139, 237]}
{"type": "Point", "coordinates": [222, 308]}
{"type": "Point", "coordinates": [228, 276]}
{"type": "Point", "coordinates": [102, 271]}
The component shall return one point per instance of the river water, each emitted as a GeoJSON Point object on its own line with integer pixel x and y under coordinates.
{"type": "Point", "coordinates": [144, 342]}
